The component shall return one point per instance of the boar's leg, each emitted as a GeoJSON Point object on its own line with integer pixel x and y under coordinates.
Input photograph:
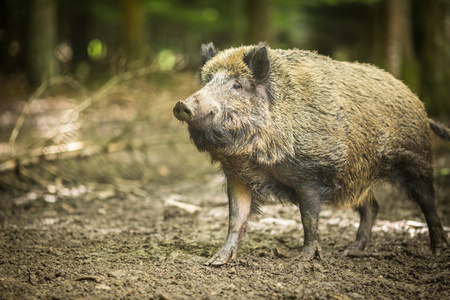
{"type": "Point", "coordinates": [310, 209]}
{"type": "Point", "coordinates": [239, 203]}
{"type": "Point", "coordinates": [368, 211]}
{"type": "Point", "coordinates": [416, 175]}
{"type": "Point", "coordinates": [422, 192]}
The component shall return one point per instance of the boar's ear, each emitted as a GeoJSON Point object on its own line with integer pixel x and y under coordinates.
{"type": "Point", "coordinates": [259, 62]}
{"type": "Point", "coordinates": [207, 52]}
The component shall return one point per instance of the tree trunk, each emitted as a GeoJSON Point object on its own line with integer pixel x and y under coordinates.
{"type": "Point", "coordinates": [435, 55]}
{"type": "Point", "coordinates": [79, 33]}
{"type": "Point", "coordinates": [259, 22]}
{"type": "Point", "coordinates": [133, 22]}
{"type": "Point", "coordinates": [376, 35]}
{"type": "Point", "coordinates": [399, 35]}
{"type": "Point", "coordinates": [41, 35]}
{"type": "Point", "coordinates": [238, 22]}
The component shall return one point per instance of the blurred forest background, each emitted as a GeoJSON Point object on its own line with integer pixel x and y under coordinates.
{"type": "Point", "coordinates": [97, 76]}
{"type": "Point", "coordinates": [102, 194]}
{"type": "Point", "coordinates": [94, 38]}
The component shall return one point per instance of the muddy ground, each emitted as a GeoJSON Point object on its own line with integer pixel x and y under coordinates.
{"type": "Point", "coordinates": [97, 242]}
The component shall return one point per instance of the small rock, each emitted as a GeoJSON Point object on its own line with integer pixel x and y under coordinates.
{"type": "Point", "coordinates": [279, 253]}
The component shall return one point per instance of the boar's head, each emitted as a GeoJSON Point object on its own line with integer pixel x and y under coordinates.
{"type": "Point", "coordinates": [233, 105]}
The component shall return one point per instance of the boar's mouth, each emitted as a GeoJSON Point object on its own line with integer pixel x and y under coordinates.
{"type": "Point", "coordinates": [205, 136]}
{"type": "Point", "coordinates": [202, 123]}
{"type": "Point", "coordinates": [202, 128]}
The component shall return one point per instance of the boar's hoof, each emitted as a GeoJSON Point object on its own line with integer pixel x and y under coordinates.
{"type": "Point", "coordinates": [222, 257]}
{"type": "Point", "coordinates": [182, 112]}
{"type": "Point", "coordinates": [359, 245]}
{"type": "Point", "coordinates": [439, 238]}
{"type": "Point", "coordinates": [311, 251]}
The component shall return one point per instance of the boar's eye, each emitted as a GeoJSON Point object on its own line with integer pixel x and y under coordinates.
{"type": "Point", "coordinates": [237, 86]}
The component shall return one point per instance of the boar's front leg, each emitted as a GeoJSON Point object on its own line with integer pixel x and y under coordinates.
{"type": "Point", "coordinates": [239, 203]}
{"type": "Point", "coordinates": [309, 204]}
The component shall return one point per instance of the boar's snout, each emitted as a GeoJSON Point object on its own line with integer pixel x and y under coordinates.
{"type": "Point", "coordinates": [203, 111]}
{"type": "Point", "coordinates": [182, 112]}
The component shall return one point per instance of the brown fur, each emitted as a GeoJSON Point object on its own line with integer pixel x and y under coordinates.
{"type": "Point", "coordinates": [303, 126]}
{"type": "Point", "coordinates": [341, 115]}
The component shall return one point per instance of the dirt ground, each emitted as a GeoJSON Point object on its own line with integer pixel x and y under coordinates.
{"type": "Point", "coordinates": [98, 243]}
{"type": "Point", "coordinates": [135, 247]}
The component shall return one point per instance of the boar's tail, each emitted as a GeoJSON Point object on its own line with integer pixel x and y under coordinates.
{"type": "Point", "coordinates": [441, 130]}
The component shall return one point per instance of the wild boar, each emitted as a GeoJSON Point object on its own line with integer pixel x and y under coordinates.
{"type": "Point", "coordinates": [299, 127]}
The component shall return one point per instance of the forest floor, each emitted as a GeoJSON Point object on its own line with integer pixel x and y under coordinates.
{"type": "Point", "coordinates": [91, 243]}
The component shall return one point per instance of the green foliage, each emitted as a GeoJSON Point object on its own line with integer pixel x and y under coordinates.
{"type": "Point", "coordinates": [342, 29]}
{"type": "Point", "coordinates": [337, 2]}
{"type": "Point", "coordinates": [200, 14]}
{"type": "Point", "coordinates": [289, 20]}
{"type": "Point", "coordinates": [96, 49]}
{"type": "Point", "coordinates": [104, 11]}
{"type": "Point", "coordinates": [444, 171]}
{"type": "Point", "coordinates": [166, 59]}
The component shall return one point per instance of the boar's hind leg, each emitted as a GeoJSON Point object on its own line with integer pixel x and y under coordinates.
{"type": "Point", "coordinates": [422, 192]}
{"type": "Point", "coordinates": [415, 173]}
{"type": "Point", "coordinates": [239, 203]}
{"type": "Point", "coordinates": [309, 209]}
{"type": "Point", "coordinates": [368, 211]}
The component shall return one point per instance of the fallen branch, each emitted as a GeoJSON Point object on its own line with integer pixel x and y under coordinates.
{"type": "Point", "coordinates": [79, 149]}
{"type": "Point", "coordinates": [89, 278]}
{"type": "Point", "coordinates": [58, 80]}
{"type": "Point", "coordinates": [190, 208]}
{"type": "Point", "coordinates": [366, 254]}
{"type": "Point", "coordinates": [99, 124]}
{"type": "Point", "coordinates": [108, 88]}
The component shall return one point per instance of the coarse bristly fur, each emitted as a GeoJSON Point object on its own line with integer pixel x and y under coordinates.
{"type": "Point", "coordinates": [289, 123]}
{"type": "Point", "coordinates": [339, 123]}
